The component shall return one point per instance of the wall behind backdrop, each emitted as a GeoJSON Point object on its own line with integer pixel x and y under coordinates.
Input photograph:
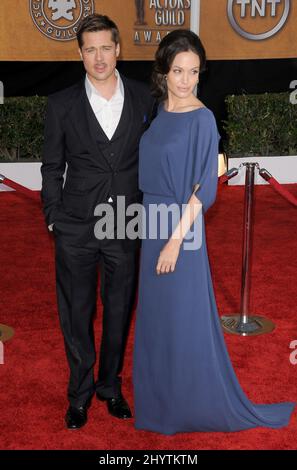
{"type": "Point", "coordinates": [220, 79]}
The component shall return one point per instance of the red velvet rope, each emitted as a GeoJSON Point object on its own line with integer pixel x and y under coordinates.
{"type": "Point", "coordinates": [267, 177]}
{"type": "Point", "coordinates": [278, 187]}
{"type": "Point", "coordinates": [22, 189]}
{"type": "Point", "coordinates": [222, 179]}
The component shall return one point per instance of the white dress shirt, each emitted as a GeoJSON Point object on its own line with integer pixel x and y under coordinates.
{"type": "Point", "coordinates": [107, 112]}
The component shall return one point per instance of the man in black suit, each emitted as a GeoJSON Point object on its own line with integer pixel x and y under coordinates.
{"type": "Point", "coordinates": [94, 127]}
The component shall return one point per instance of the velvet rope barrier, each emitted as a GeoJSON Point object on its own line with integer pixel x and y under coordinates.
{"type": "Point", "coordinates": [278, 187]}
{"type": "Point", "coordinates": [20, 188]}
{"type": "Point", "coordinates": [228, 175]}
{"type": "Point", "coordinates": [244, 323]}
{"type": "Point", "coordinates": [5, 331]}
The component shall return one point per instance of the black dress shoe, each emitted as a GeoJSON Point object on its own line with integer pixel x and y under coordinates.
{"type": "Point", "coordinates": [77, 417]}
{"type": "Point", "coordinates": [117, 406]}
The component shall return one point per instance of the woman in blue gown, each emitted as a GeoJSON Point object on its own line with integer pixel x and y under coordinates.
{"type": "Point", "coordinates": [183, 378]}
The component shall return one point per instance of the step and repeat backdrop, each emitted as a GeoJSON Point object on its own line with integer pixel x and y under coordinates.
{"type": "Point", "coordinates": [44, 30]}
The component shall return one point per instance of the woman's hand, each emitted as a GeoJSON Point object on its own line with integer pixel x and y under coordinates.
{"type": "Point", "coordinates": [168, 257]}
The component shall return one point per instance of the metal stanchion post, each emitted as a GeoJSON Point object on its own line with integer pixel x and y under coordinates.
{"type": "Point", "coordinates": [244, 324]}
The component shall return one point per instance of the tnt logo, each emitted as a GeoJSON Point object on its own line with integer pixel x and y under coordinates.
{"type": "Point", "coordinates": [257, 20]}
{"type": "Point", "coordinates": [63, 9]}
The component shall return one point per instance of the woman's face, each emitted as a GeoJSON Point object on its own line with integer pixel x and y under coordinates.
{"type": "Point", "coordinates": [183, 75]}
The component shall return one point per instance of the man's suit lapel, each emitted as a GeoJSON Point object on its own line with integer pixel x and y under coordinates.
{"type": "Point", "coordinates": [89, 130]}
{"type": "Point", "coordinates": [82, 118]}
{"type": "Point", "coordinates": [125, 126]}
{"type": "Point", "coordinates": [132, 119]}
{"type": "Point", "coordinates": [123, 130]}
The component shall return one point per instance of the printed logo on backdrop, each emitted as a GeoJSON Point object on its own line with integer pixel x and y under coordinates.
{"type": "Point", "coordinates": [156, 18]}
{"type": "Point", "coordinates": [257, 20]}
{"type": "Point", "coordinates": [58, 19]}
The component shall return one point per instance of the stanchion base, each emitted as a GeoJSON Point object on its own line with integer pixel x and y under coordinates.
{"type": "Point", "coordinates": [6, 333]}
{"type": "Point", "coordinates": [256, 325]}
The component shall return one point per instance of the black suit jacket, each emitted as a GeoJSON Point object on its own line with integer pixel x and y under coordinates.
{"type": "Point", "coordinates": [91, 177]}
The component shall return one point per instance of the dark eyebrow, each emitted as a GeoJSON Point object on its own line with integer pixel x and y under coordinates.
{"type": "Point", "coordinates": [178, 67]}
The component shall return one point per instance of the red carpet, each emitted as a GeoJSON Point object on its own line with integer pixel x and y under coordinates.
{"type": "Point", "coordinates": [34, 376]}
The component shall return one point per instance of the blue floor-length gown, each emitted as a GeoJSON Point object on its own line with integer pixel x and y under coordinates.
{"type": "Point", "coordinates": [183, 378]}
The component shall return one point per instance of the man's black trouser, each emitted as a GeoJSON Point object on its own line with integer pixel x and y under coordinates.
{"type": "Point", "coordinates": [77, 262]}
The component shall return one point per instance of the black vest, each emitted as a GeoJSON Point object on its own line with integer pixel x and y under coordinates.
{"type": "Point", "coordinates": [111, 150]}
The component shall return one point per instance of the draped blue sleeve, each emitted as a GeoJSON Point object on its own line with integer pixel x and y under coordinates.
{"type": "Point", "coordinates": [205, 160]}
{"type": "Point", "coordinates": [193, 157]}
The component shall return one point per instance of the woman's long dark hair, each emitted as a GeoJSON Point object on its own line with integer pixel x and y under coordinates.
{"type": "Point", "coordinates": [179, 40]}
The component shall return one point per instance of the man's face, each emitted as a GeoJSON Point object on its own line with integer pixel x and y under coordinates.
{"type": "Point", "coordinates": [99, 54]}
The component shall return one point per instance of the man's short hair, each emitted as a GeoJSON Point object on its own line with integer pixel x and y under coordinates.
{"type": "Point", "coordinates": [96, 22]}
